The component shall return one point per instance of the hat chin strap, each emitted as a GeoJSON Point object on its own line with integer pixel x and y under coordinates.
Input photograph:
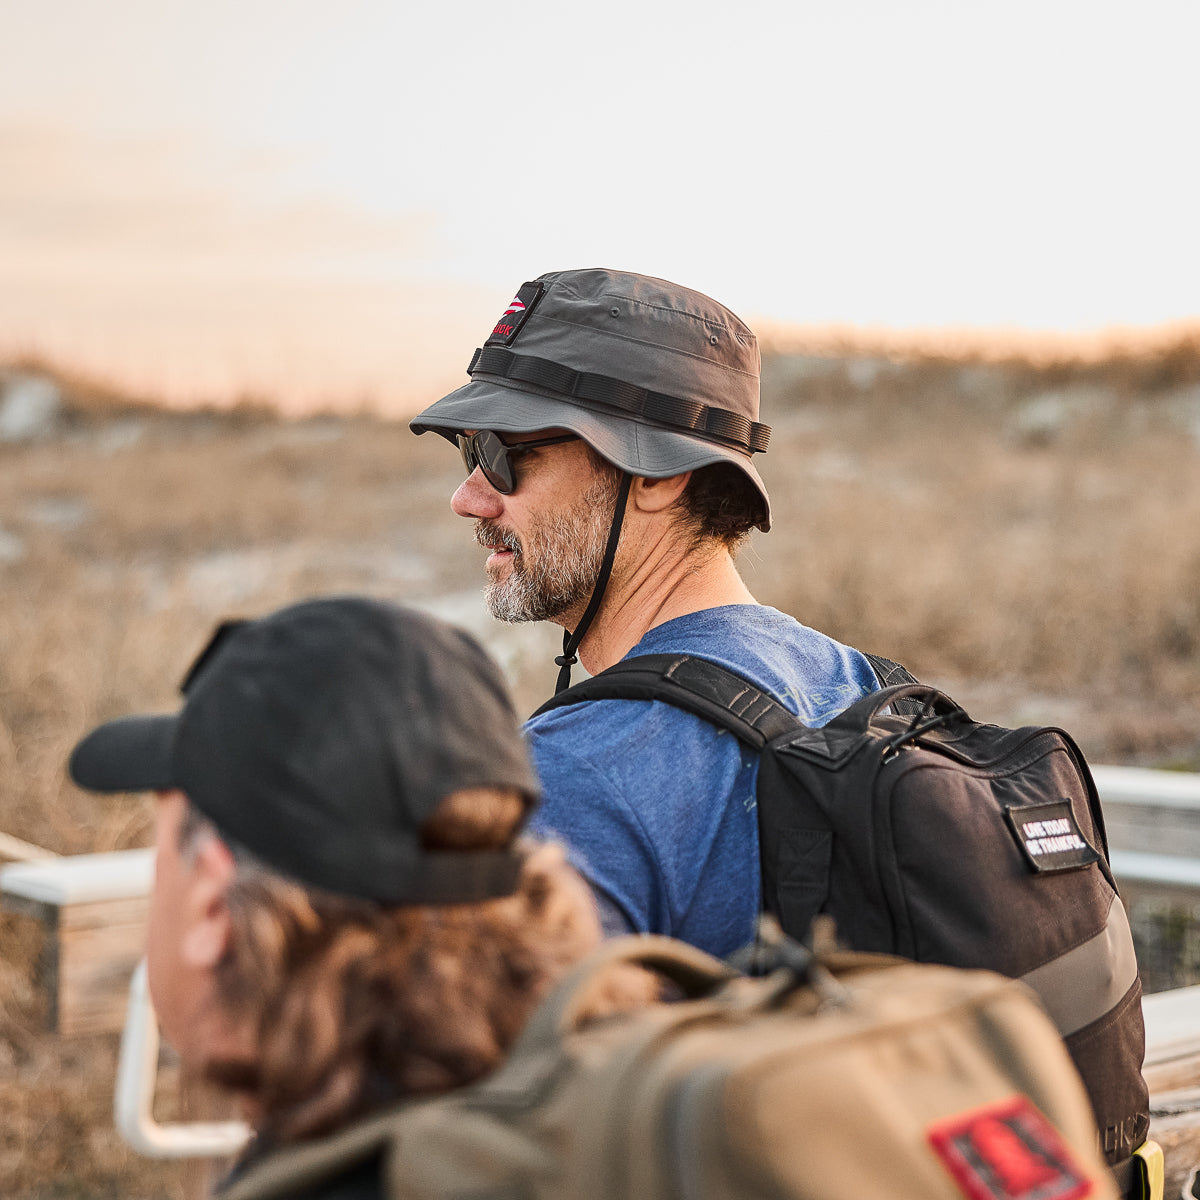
{"type": "Point", "coordinates": [567, 659]}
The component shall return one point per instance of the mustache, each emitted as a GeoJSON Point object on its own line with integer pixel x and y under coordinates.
{"type": "Point", "coordinates": [488, 533]}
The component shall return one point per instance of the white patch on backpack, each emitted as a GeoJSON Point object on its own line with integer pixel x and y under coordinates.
{"type": "Point", "coordinates": [1049, 837]}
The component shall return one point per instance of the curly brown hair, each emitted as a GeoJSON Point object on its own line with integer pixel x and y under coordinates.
{"type": "Point", "coordinates": [356, 1004]}
{"type": "Point", "coordinates": [722, 505]}
{"type": "Point", "coordinates": [719, 505]}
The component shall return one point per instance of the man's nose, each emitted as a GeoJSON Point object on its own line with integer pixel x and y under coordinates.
{"type": "Point", "coordinates": [476, 498]}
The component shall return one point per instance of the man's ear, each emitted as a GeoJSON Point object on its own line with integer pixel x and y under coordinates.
{"type": "Point", "coordinates": [655, 495]}
{"type": "Point", "coordinates": [207, 926]}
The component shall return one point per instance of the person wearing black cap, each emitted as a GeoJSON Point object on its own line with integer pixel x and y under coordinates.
{"type": "Point", "coordinates": [345, 912]}
{"type": "Point", "coordinates": [608, 430]}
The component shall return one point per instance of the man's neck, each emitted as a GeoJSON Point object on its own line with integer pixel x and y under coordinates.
{"type": "Point", "coordinates": [659, 587]}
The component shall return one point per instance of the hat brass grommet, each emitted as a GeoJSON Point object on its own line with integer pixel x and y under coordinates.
{"type": "Point", "coordinates": [712, 337]}
{"type": "Point", "coordinates": [614, 312]}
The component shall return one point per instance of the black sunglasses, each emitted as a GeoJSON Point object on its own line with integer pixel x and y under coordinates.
{"type": "Point", "coordinates": [486, 451]}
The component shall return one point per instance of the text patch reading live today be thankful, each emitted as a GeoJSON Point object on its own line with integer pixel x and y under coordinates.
{"type": "Point", "coordinates": [1049, 836]}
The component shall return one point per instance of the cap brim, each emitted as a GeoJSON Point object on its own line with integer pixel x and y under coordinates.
{"type": "Point", "coordinates": [130, 754]}
{"type": "Point", "coordinates": [634, 445]}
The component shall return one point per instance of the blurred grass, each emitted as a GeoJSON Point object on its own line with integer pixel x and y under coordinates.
{"type": "Point", "coordinates": [1026, 537]}
{"type": "Point", "coordinates": [1029, 539]}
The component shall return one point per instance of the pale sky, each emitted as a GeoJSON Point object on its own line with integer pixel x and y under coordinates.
{"type": "Point", "coordinates": [331, 203]}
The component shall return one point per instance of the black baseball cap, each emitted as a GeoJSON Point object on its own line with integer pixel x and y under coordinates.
{"type": "Point", "coordinates": [322, 736]}
{"type": "Point", "coordinates": [659, 379]}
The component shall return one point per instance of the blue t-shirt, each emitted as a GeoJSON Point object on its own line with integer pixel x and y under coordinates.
{"type": "Point", "coordinates": [657, 806]}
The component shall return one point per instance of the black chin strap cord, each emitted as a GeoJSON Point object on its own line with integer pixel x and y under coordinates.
{"type": "Point", "coordinates": [566, 660]}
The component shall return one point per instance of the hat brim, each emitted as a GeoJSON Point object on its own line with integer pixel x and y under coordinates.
{"type": "Point", "coordinates": [130, 754]}
{"type": "Point", "coordinates": [633, 444]}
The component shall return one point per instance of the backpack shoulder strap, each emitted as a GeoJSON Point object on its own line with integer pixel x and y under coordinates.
{"type": "Point", "coordinates": [294, 1168]}
{"type": "Point", "coordinates": [697, 685]}
{"type": "Point", "coordinates": [888, 672]}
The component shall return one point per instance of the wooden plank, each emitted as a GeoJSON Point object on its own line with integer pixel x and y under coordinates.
{"type": "Point", "coordinates": [81, 878]}
{"type": "Point", "coordinates": [1179, 1137]}
{"type": "Point", "coordinates": [13, 849]}
{"type": "Point", "coordinates": [1168, 873]}
{"type": "Point", "coordinates": [1172, 1072]}
{"type": "Point", "coordinates": [1149, 811]}
{"type": "Point", "coordinates": [1147, 785]}
{"type": "Point", "coordinates": [94, 908]}
{"type": "Point", "coordinates": [1172, 1020]}
{"type": "Point", "coordinates": [77, 918]}
{"type": "Point", "coordinates": [98, 947]}
{"type": "Point", "coordinates": [1172, 1080]}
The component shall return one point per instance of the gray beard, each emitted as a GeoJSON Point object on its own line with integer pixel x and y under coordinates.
{"type": "Point", "coordinates": [557, 566]}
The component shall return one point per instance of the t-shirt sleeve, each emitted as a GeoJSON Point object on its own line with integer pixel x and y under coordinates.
{"type": "Point", "coordinates": [581, 757]}
{"type": "Point", "coordinates": [585, 806]}
{"type": "Point", "coordinates": [656, 808]}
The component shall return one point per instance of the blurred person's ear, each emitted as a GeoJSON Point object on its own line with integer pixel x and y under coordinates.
{"type": "Point", "coordinates": [206, 924]}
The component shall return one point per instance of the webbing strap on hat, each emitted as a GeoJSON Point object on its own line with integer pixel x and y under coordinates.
{"type": "Point", "coordinates": [566, 660]}
{"type": "Point", "coordinates": [715, 424]}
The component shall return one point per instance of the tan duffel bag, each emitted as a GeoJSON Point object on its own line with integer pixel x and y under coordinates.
{"type": "Point", "coordinates": [847, 1076]}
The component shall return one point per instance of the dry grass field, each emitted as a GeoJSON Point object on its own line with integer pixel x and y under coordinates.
{"type": "Point", "coordinates": [1028, 538]}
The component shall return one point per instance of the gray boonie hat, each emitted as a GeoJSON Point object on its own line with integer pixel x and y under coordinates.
{"type": "Point", "coordinates": [658, 379]}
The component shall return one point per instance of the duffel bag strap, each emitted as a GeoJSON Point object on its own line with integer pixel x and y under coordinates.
{"type": "Point", "coordinates": [693, 971]}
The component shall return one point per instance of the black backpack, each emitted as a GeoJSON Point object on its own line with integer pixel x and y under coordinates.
{"type": "Point", "coordinates": [929, 835]}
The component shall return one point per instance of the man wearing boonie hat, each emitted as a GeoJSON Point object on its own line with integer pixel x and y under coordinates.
{"type": "Point", "coordinates": [608, 431]}
{"type": "Point", "coordinates": [338, 844]}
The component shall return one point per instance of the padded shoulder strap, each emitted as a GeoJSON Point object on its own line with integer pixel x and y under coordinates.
{"type": "Point", "coordinates": [295, 1168]}
{"type": "Point", "coordinates": [695, 972]}
{"type": "Point", "coordinates": [696, 685]}
{"type": "Point", "coordinates": [888, 672]}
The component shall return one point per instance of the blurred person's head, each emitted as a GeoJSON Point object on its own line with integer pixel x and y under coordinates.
{"type": "Point", "coordinates": [344, 910]}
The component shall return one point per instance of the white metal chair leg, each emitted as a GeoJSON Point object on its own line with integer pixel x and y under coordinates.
{"type": "Point", "coordinates": [133, 1096]}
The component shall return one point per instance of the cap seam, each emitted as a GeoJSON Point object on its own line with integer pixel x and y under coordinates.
{"type": "Point", "coordinates": [571, 288]}
{"type": "Point", "coordinates": [711, 322]}
{"type": "Point", "coordinates": [625, 337]}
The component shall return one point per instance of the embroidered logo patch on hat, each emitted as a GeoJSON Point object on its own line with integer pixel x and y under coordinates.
{"type": "Point", "coordinates": [1049, 836]}
{"type": "Point", "coordinates": [1008, 1151]}
{"type": "Point", "coordinates": [516, 314]}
